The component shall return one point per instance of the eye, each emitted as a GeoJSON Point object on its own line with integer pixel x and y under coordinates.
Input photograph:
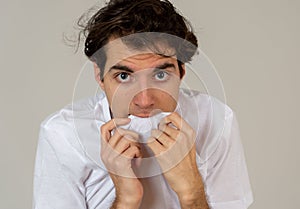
{"type": "Point", "coordinates": [123, 77]}
{"type": "Point", "coordinates": [161, 76]}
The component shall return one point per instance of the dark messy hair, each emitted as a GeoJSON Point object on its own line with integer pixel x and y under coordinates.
{"type": "Point", "coordinates": [120, 18]}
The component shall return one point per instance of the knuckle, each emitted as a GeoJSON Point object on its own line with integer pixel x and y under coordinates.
{"type": "Point", "coordinates": [175, 113]}
{"type": "Point", "coordinates": [124, 143]}
{"type": "Point", "coordinates": [150, 141]}
{"type": "Point", "coordinates": [102, 129]}
{"type": "Point", "coordinates": [156, 133]}
{"type": "Point", "coordinates": [120, 131]}
{"type": "Point", "coordinates": [161, 126]}
{"type": "Point", "coordinates": [135, 149]}
{"type": "Point", "coordinates": [135, 135]}
{"type": "Point", "coordinates": [132, 134]}
{"type": "Point", "coordinates": [128, 138]}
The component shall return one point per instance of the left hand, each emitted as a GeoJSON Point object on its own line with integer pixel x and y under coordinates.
{"type": "Point", "coordinates": [174, 148]}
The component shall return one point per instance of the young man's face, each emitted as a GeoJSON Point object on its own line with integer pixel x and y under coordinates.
{"type": "Point", "coordinates": [140, 84]}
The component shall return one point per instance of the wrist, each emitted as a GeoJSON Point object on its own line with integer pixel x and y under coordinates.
{"type": "Point", "coordinates": [193, 199]}
{"type": "Point", "coordinates": [127, 202]}
{"type": "Point", "coordinates": [187, 200]}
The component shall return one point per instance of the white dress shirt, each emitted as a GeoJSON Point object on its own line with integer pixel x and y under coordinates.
{"type": "Point", "coordinates": [69, 173]}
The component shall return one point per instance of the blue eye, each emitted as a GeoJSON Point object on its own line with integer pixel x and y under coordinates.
{"type": "Point", "coordinates": [123, 77]}
{"type": "Point", "coordinates": [161, 76]}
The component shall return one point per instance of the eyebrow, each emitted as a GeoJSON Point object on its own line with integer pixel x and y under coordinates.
{"type": "Point", "coordinates": [127, 69]}
{"type": "Point", "coordinates": [121, 67]}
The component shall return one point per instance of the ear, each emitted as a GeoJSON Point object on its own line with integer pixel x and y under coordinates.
{"type": "Point", "coordinates": [183, 71]}
{"type": "Point", "coordinates": [97, 76]}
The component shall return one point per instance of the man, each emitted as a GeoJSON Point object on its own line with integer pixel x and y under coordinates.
{"type": "Point", "coordinates": [91, 155]}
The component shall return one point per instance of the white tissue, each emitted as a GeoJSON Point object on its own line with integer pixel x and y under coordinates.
{"type": "Point", "coordinates": [144, 126]}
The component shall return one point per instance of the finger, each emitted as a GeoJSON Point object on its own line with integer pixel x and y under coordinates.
{"type": "Point", "coordinates": [128, 134]}
{"type": "Point", "coordinates": [164, 139]}
{"type": "Point", "coordinates": [116, 153]}
{"type": "Point", "coordinates": [170, 131]}
{"type": "Point", "coordinates": [110, 125]}
{"type": "Point", "coordinates": [175, 119]}
{"type": "Point", "coordinates": [155, 146]}
{"type": "Point", "coordinates": [122, 146]}
{"type": "Point", "coordinates": [132, 152]}
{"type": "Point", "coordinates": [114, 139]}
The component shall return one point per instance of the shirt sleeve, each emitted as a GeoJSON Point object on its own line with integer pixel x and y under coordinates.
{"type": "Point", "coordinates": [53, 186]}
{"type": "Point", "coordinates": [227, 182]}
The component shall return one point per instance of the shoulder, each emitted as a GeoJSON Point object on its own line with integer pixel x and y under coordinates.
{"type": "Point", "coordinates": [65, 117]}
{"type": "Point", "coordinates": [64, 125]}
{"type": "Point", "coordinates": [204, 110]}
{"type": "Point", "coordinates": [210, 117]}
{"type": "Point", "coordinates": [72, 131]}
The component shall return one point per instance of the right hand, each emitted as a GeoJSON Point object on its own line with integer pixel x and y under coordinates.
{"type": "Point", "coordinates": [117, 152]}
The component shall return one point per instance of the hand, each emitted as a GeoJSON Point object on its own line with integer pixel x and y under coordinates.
{"type": "Point", "coordinates": [174, 147]}
{"type": "Point", "coordinates": [117, 153]}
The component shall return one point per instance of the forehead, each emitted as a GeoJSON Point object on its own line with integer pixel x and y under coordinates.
{"type": "Point", "coordinates": [119, 53]}
{"type": "Point", "coordinates": [145, 61]}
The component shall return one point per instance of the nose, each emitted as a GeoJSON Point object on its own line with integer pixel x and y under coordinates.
{"type": "Point", "coordinates": [144, 99]}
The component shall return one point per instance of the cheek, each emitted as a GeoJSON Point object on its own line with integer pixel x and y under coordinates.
{"type": "Point", "coordinates": [169, 93]}
{"type": "Point", "coordinates": [109, 91]}
{"type": "Point", "coordinates": [170, 87]}
{"type": "Point", "coordinates": [110, 87]}
{"type": "Point", "coordinates": [165, 100]}
{"type": "Point", "coordinates": [119, 100]}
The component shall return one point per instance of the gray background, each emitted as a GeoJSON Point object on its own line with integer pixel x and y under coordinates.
{"type": "Point", "coordinates": [253, 44]}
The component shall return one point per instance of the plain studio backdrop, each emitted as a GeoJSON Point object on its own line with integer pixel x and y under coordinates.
{"type": "Point", "coordinates": [253, 44]}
